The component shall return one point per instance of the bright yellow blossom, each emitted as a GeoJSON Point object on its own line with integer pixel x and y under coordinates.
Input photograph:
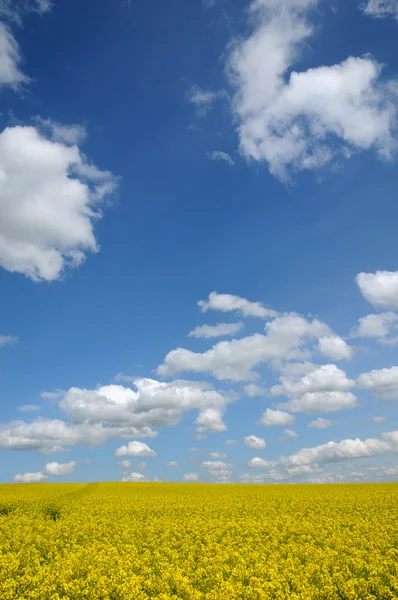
{"type": "Point", "coordinates": [135, 541]}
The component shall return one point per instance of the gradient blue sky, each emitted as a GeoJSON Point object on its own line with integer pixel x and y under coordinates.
{"type": "Point", "coordinates": [152, 153]}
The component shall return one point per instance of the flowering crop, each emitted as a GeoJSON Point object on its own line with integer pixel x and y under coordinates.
{"type": "Point", "coordinates": [135, 541]}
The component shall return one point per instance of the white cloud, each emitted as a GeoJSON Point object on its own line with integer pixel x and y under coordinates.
{"type": "Point", "coordinates": [230, 442]}
{"type": "Point", "coordinates": [66, 134]}
{"type": "Point", "coordinates": [48, 209]}
{"type": "Point", "coordinates": [290, 433]}
{"type": "Point", "coordinates": [44, 6]}
{"type": "Point", "coordinates": [234, 360]}
{"type": "Point", "coordinates": [321, 390]}
{"type": "Point", "coordinates": [10, 60]}
{"type": "Point", "coordinates": [191, 477]}
{"type": "Point", "coordinates": [51, 435]}
{"type": "Point", "coordinates": [380, 288]}
{"type": "Point", "coordinates": [125, 464]}
{"type": "Point", "coordinates": [254, 442]}
{"type": "Point", "coordinates": [153, 404]}
{"type": "Point", "coordinates": [29, 477]}
{"type": "Point", "coordinates": [377, 419]}
{"type": "Point", "coordinates": [219, 330]}
{"type": "Point", "coordinates": [203, 100]}
{"type": "Point", "coordinates": [133, 477]}
{"type": "Point", "coordinates": [171, 463]}
{"type": "Point", "coordinates": [230, 303]}
{"type": "Point", "coordinates": [224, 156]}
{"type": "Point", "coordinates": [383, 382]}
{"type": "Point", "coordinates": [323, 378]}
{"type": "Point", "coordinates": [381, 8]}
{"type": "Point", "coordinates": [135, 449]}
{"type": "Point", "coordinates": [58, 469]}
{"type": "Point", "coordinates": [7, 340]}
{"type": "Point", "coordinates": [210, 421]}
{"type": "Point", "coordinates": [334, 348]}
{"type": "Point", "coordinates": [320, 423]}
{"type": "Point", "coordinates": [52, 396]}
{"type": "Point", "coordinates": [345, 450]}
{"type": "Point", "coordinates": [276, 417]}
{"type": "Point", "coordinates": [215, 467]}
{"type": "Point", "coordinates": [378, 326]}
{"type": "Point", "coordinates": [15, 10]}
{"type": "Point", "coordinates": [304, 120]}
{"type": "Point", "coordinates": [247, 478]}
{"type": "Point", "coordinates": [302, 470]}
{"type": "Point", "coordinates": [253, 390]}
{"type": "Point", "coordinates": [28, 407]}
{"type": "Point", "coordinates": [294, 369]}
{"type": "Point", "coordinates": [323, 402]}
{"type": "Point", "coordinates": [259, 463]}
{"type": "Point", "coordinates": [218, 455]}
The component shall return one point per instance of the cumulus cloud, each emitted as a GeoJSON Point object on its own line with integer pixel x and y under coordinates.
{"type": "Point", "coordinates": [153, 404]}
{"type": "Point", "coordinates": [304, 120]}
{"type": "Point", "coordinates": [66, 134]}
{"type": "Point", "coordinates": [378, 326]}
{"type": "Point", "coordinates": [224, 156]}
{"type": "Point", "coordinates": [125, 464]}
{"type": "Point", "coordinates": [377, 419]}
{"type": "Point", "coordinates": [334, 348]}
{"type": "Point", "coordinates": [191, 477]}
{"type": "Point", "coordinates": [302, 470]}
{"type": "Point", "coordinates": [219, 330]}
{"type": "Point", "coordinates": [218, 469]}
{"type": "Point", "coordinates": [58, 469]}
{"type": "Point", "coordinates": [380, 288]}
{"type": "Point", "coordinates": [276, 417]}
{"type": "Point", "coordinates": [215, 467]}
{"type": "Point", "coordinates": [29, 477]}
{"type": "Point", "coordinates": [254, 442]}
{"type": "Point", "coordinates": [383, 382]}
{"type": "Point", "coordinates": [218, 455]}
{"type": "Point", "coordinates": [48, 203]}
{"type": "Point", "coordinates": [135, 449]}
{"type": "Point", "coordinates": [321, 390]}
{"type": "Point", "coordinates": [52, 435]}
{"type": "Point", "coordinates": [381, 8]}
{"type": "Point", "coordinates": [230, 442]}
{"type": "Point", "coordinates": [322, 402]}
{"type": "Point", "coordinates": [230, 303]}
{"type": "Point", "coordinates": [259, 463]}
{"type": "Point", "coordinates": [320, 423]}
{"type": "Point", "coordinates": [322, 378]}
{"type": "Point", "coordinates": [290, 433]}
{"type": "Point", "coordinates": [210, 421]}
{"type": "Point", "coordinates": [345, 450]}
{"type": "Point", "coordinates": [133, 477]}
{"type": "Point", "coordinates": [255, 479]}
{"type": "Point", "coordinates": [253, 390]}
{"type": "Point", "coordinates": [235, 360]}
{"type": "Point", "coordinates": [171, 463]}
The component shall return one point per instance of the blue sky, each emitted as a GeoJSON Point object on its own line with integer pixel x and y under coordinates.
{"type": "Point", "coordinates": [240, 155]}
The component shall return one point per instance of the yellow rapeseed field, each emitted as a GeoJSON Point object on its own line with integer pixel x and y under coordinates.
{"type": "Point", "coordinates": [156, 540]}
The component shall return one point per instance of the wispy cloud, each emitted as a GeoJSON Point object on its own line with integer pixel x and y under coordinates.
{"type": "Point", "coordinates": [219, 155]}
